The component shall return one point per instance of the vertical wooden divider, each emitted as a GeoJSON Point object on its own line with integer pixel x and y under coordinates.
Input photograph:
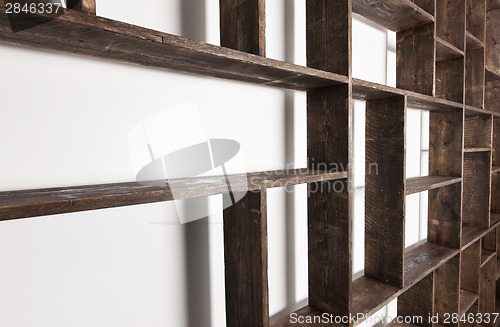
{"type": "Point", "coordinates": [418, 301]}
{"type": "Point", "coordinates": [447, 290]}
{"type": "Point", "coordinates": [385, 190]}
{"type": "Point", "coordinates": [329, 141]}
{"type": "Point", "coordinates": [470, 268]}
{"type": "Point", "coordinates": [487, 291]}
{"type": "Point", "coordinates": [445, 154]}
{"type": "Point", "coordinates": [243, 25]}
{"type": "Point", "coordinates": [245, 259]}
{"type": "Point", "coordinates": [86, 6]}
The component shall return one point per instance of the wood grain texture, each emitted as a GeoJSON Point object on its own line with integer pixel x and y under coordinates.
{"type": "Point", "coordinates": [492, 43]}
{"type": "Point", "coordinates": [243, 25]}
{"type": "Point", "coordinates": [445, 50]}
{"type": "Point", "coordinates": [424, 259]}
{"type": "Point", "coordinates": [418, 300]}
{"type": "Point", "coordinates": [427, 5]}
{"type": "Point", "coordinates": [395, 15]}
{"type": "Point", "coordinates": [471, 312]}
{"type": "Point", "coordinates": [447, 289]}
{"type": "Point", "coordinates": [474, 78]}
{"type": "Point", "coordinates": [329, 210]}
{"type": "Point", "coordinates": [492, 95]}
{"type": "Point", "coordinates": [495, 154]}
{"type": "Point", "coordinates": [41, 202]}
{"type": "Point", "coordinates": [477, 130]}
{"type": "Point", "coordinates": [450, 22]}
{"type": "Point", "coordinates": [472, 42]}
{"type": "Point", "coordinates": [476, 189]}
{"type": "Point", "coordinates": [415, 52]}
{"type": "Point", "coordinates": [450, 79]}
{"type": "Point", "coordinates": [489, 241]}
{"type": "Point", "coordinates": [472, 234]}
{"type": "Point", "coordinates": [444, 212]}
{"type": "Point", "coordinates": [467, 300]}
{"type": "Point", "coordinates": [470, 268]}
{"type": "Point", "coordinates": [75, 32]}
{"type": "Point", "coordinates": [487, 289]}
{"type": "Point", "coordinates": [426, 183]}
{"type": "Point", "coordinates": [85, 6]}
{"type": "Point", "coordinates": [476, 18]}
{"type": "Point", "coordinates": [385, 190]}
{"type": "Point", "coordinates": [245, 259]}
{"type": "Point", "coordinates": [328, 35]}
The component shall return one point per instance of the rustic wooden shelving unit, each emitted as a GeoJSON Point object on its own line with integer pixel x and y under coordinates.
{"type": "Point", "coordinates": [448, 62]}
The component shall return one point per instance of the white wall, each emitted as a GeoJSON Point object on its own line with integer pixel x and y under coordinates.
{"type": "Point", "coordinates": [66, 120]}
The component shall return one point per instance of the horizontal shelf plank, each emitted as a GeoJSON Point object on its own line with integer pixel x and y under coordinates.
{"type": "Point", "coordinates": [426, 183]}
{"type": "Point", "coordinates": [471, 234]}
{"type": "Point", "coordinates": [41, 202]}
{"type": "Point", "coordinates": [491, 75]}
{"type": "Point", "coordinates": [370, 295]}
{"type": "Point", "coordinates": [75, 32]}
{"type": "Point", "coordinates": [467, 300]}
{"type": "Point", "coordinates": [305, 313]}
{"type": "Point", "coordinates": [473, 42]}
{"type": "Point", "coordinates": [468, 150]}
{"type": "Point", "coordinates": [445, 50]}
{"type": "Point", "coordinates": [495, 169]}
{"type": "Point", "coordinates": [364, 90]}
{"type": "Point", "coordinates": [486, 256]}
{"type": "Point", "coordinates": [422, 260]}
{"type": "Point", "coordinates": [395, 15]}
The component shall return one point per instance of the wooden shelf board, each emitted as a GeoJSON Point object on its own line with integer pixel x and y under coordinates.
{"type": "Point", "coordinates": [395, 15]}
{"type": "Point", "coordinates": [482, 111]}
{"type": "Point", "coordinates": [467, 300]}
{"type": "Point", "coordinates": [486, 256]}
{"type": "Point", "coordinates": [364, 90]}
{"type": "Point", "coordinates": [425, 183]}
{"type": "Point", "coordinates": [445, 50]}
{"type": "Point", "coordinates": [305, 312]}
{"type": "Point", "coordinates": [468, 150]}
{"type": "Point", "coordinates": [79, 33]}
{"type": "Point", "coordinates": [422, 260]}
{"type": "Point", "coordinates": [498, 270]}
{"type": "Point", "coordinates": [490, 74]}
{"type": "Point", "coordinates": [495, 169]}
{"type": "Point", "coordinates": [473, 42]}
{"type": "Point", "coordinates": [471, 234]}
{"type": "Point", "coordinates": [41, 202]}
{"type": "Point", "coordinates": [494, 218]}
{"type": "Point", "coordinates": [370, 295]}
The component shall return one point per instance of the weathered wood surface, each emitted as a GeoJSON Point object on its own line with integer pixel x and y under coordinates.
{"type": "Point", "coordinates": [245, 260]}
{"type": "Point", "coordinates": [426, 183]}
{"type": "Point", "coordinates": [487, 289]}
{"type": "Point", "coordinates": [243, 25]}
{"type": "Point", "coordinates": [478, 131]}
{"type": "Point", "coordinates": [470, 268]}
{"type": "Point", "coordinates": [447, 289]}
{"type": "Point", "coordinates": [492, 43]}
{"type": "Point", "coordinates": [385, 189]}
{"type": "Point", "coordinates": [476, 189]}
{"type": "Point", "coordinates": [450, 79]}
{"type": "Point", "coordinates": [450, 22]}
{"type": "Point", "coordinates": [467, 300]}
{"type": "Point", "coordinates": [475, 18]}
{"type": "Point", "coordinates": [474, 78]}
{"type": "Point", "coordinates": [415, 55]}
{"type": "Point", "coordinates": [445, 50]}
{"type": "Point", "coordinates": [472, 42]}
{"type": "Point", "coordinates": [417, 300]}
{"type": "Point", "coordinates": [41, 202]}
{"type": "Point", "coordinates": [395, 15]}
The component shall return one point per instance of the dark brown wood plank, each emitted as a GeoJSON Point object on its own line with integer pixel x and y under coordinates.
{"type": "Point", "coordinates": [450, 22]}
{"type": "Point", "coordinates": [487, 289]}
{"type": "Point", "coordinates": [424, 259]}
{"type": "Point", "coordinates": [470, 268]}
{"type": "Point", "coordinates": [75, 32]}
{"type": "Point", "coordinates": [385, 190]}
{"type": "Point", "coordinates": [492, 95]}
{"type": "Point", "coordinates": [243, 25]}
{"type": "Point", "coordinates": [329, 209]}
{"type": "Point", "coordinates": [476, 189]}
{"type": "Point", "coordinates": [472, 234]}
{"type": "Point", "coordinates": [395, 15]}
{"type": "Point", "coordinates": [486, 256]}
{"type": "Point", "coordinates": [427, 5]}
{"type": "Point", "coordinates": [475, 18]}
{"type": "Point", "coordinates": [445, 50]}
{"type": "Point", "coordinates": [328, 41]}
{"type": "Point", "coordinates": [445, 153]}
{"type": "Point", "coordinates": [497, 270]}
{"type": "Point", "coordinates": [370, 295]}
{"type": "Point", "coordinates": [467, 300]}
{"type": "Point", "coordinates": [426, 183]}
{"type": "Point", "coordinates": [450, 79]}
{"type": "Point", "coordinates": [491, 75]}
{"type": "Point", "coordinates": [415, 53]}
{"type": "Point", "coordinates": [446, 289]}
{"type": "Point", "coordinates": [417, 301]}
{"type": "Point", "coordinates": [473, 42]}
{"type": "Point", "coordinates": [477, 131]}
{"type": "Point", "coordinates": [478, 149]}
{"type": "Point", "coordinates": [41, 202]}
{"type": "Point", "coordinates": [489, 242]}
{"type": "Point", "coordinates": [492, 43]}
{"type": "Point", "coordinates": [245, 260]}
{"type": "Point", "coordinates": [474, 78]}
